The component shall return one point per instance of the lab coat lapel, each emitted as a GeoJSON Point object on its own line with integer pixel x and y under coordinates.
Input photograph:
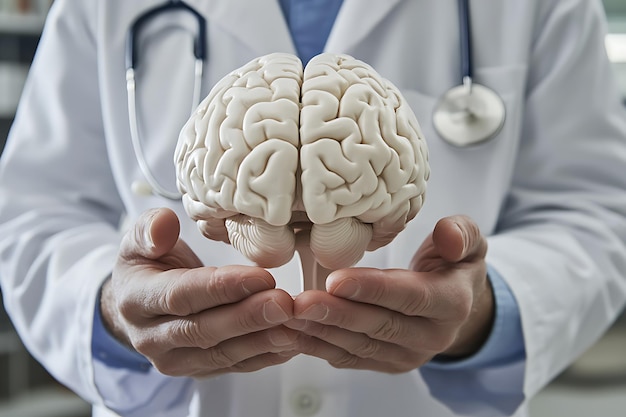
{"type": "Point", "coordinates": [259, 24]}
{"type": "Point", "coordinates": [356, 19]}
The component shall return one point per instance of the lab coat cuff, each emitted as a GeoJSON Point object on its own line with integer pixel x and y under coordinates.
{"type": "Point", "coordinates": [109, 351]}
{"type": "Point", "coordinates": [505, 344]}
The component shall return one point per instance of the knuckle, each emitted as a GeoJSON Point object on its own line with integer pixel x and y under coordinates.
{"type": "Point", "coordinates": [380, 291]}
{"type": "Point", "coordinates": [174, 299]}
{"type": "Point", "coordinates": [218, 288]}
{"type": "Point", "coordinates": [146, 345]}
{"type": "Point", "coordinates": [249, 323]}
{"type": "Point", "coordinates": [388, 330]}
{"type": "Point", "coordinates": [176, 296]}
{"type": "Point", "coordinates": [344, 361]}
{"type": "Point", "coordinates": [307, 344]}
{"type": "Point", "coordinates": [417, 303]}
{"type": "Point", "coordinates": [324, 332]}
{"type": "Point", "coordinates": [169, 367]}
{"type": "Point", "coordinates": [192, 334]}
{"type": "Point", "coordinates": [169, 363]}
{"type": "Point", "coordinates": [343, 321]}
{"type": "Point", "coordinates": [217, 358]}
{"type": "Point", "coordinates": [272, 339]}
{"type": "Point", "coordinates": [368, 349]}
{"type": "Point", "coordinates": [318, 330]}
{"type": "Point", "coordinates": [126, 309]}
{"type": "Point", "coordinates": [258, 363]}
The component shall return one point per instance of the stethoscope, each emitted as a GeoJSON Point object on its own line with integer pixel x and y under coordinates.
{"type": "Point", "coordinates": [466, 115]}
{"type": "Point", "coordinates": [152, 185]}
{"type": "Point", "coordinates": [469, 113]}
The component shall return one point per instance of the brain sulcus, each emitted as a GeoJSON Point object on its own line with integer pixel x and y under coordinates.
{"type": "Point", "coordinates": [274, 146]}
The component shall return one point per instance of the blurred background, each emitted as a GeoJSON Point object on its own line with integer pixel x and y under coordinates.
{"type": "Point", "coordinates": [593, 386]}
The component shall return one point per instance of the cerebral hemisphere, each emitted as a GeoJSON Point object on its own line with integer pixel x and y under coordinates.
{"type": "Point", "coordinates": [275, 145]}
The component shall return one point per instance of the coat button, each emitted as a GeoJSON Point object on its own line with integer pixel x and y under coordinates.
{"type": "Point", "coordinates": [305, 401]}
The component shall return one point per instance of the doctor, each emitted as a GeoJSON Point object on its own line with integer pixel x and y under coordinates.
{"type": "Point", "coordinates": [512, 269]}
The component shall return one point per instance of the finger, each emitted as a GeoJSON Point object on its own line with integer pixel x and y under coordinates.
{"type": "Point", "coordinates": [209, 328]}
{"type": "Point", "coordinates": [458, 238]}
{"type": "Point", "coordinates": [357, 344]}
{"type": "Point", "coordinates": [181, 292]}
{"type": "Point", "coordinates": [261, 361]}
{"type": "Point", "coordinates": [399, 290]}
{"type": "Point", "coordinates": [230, 354]}
{"type": "Point", "coordinates": [377, 322]}
{"type": "Point", "coordinates": [340, 358]}
{"type": "Point", "coordinates": [154, 234]}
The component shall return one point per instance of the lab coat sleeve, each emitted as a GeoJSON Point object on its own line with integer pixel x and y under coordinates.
{"type": "Point", "coordinates": [561, 238]}
{"type": "Point", "coordinates": [59, 206]}
{"type": "Point", "coordinates": [128, 382]}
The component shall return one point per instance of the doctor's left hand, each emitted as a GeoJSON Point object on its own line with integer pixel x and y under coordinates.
{"type": "Point", "coordinates": [397, 320]}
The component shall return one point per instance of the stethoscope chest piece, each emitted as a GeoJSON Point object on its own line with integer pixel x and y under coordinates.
{"type": "Point", "coordinates": [468, 115]}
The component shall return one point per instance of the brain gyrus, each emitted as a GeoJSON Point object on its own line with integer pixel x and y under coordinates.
{"type": "Point", "coordinates": [274, 146]}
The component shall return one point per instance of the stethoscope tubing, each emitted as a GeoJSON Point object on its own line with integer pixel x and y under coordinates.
{"type": "Point", "coordinates": [469, 113]}
{"type": "Point", "coordinates": [465, 31]}
{"type": "Point", "coordinates": [200, 51]}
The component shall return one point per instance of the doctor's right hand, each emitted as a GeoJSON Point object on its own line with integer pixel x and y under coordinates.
{"type": "Point", "coordinates": [191, 320]}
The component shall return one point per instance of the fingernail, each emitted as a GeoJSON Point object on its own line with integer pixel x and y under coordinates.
{"type": "Point", "coordinates": [347, 289]}
{"type": "Point", "coordinates": [464, 236]}
{"type": "Point", "coordinates": [274, 313]}
{"type": "Point", "coordinates": [147, 239]}
{"type": "Point", "coordinates": [315, 313]}
{"type": "Point", "coordinates": [280, 338]}
{"type": "Point", "coordinates": [147, 236]}
{"type": "Point", "coordinates": [254, 285]}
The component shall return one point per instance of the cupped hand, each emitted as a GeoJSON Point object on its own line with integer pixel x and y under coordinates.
{"type": "Point", "coordinates": [396, 320]}
{"type": "Point", "coordinates": [191, 320]}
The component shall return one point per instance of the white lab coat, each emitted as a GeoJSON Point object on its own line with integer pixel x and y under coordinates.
{"type": "Point", "coordinates": [549, 190]}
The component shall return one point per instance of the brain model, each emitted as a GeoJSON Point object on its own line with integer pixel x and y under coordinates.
{"type": "Point", "coordinates": [272, 147]}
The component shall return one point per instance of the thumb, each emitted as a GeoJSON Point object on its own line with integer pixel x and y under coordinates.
{"type": "Point", "coordinates": [154, 234]}
{"type": "Point", "coordinates": [458, 238]}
